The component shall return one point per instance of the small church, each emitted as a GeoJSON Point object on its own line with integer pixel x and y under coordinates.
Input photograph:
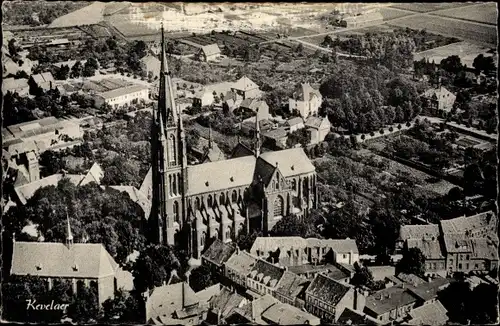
{"type": "Point", "coordinates": [219, 198]}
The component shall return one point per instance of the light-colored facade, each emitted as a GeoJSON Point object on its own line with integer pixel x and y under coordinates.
{"type": "Point", "coordinates": [318, 128]}
{"type": "Point", "coordinates": [440, 98]}
{"type": "Point", "coordinates": [124, 96]}
{"type": "Point", "coordinates": [19, 86]}
{"type": "Point", "coordinates": [306, 100]}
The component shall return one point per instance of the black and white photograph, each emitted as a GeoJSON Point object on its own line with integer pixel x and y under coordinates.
{"type": "Point", "coordinates": [273, 163]}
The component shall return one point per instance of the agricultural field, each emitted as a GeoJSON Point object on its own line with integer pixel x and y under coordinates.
{"type": "Point", "coordinates": [483, 13]}
{"type": "Point", "coordinates": [466, 51]}
{"type": "Point", "coordinates": [451, 27]}
{"type": "Point", "coordinates": [427, 7]}
{"type": "Point", "coordinates": [393, 13]}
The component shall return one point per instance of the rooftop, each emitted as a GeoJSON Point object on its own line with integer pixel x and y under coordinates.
{"type": "Point", "coordinates": [285, 314]}
{"type": "Point", "coordinates": [428, 290]}
{"type": "Point", "coordinates": [316, 122]}
{"type": "Point", "coordinates": [386, 300]}
{"type": "Point", "coordinates": [211, 49]}
{"type": "Point", "coordinates": [468, 223]}
{"type": "Point", "coordinates": [219, 252]}
{"type": "Point", "coordinates": [244, 84]}
{"type": "Point", "coordinates": [266, 273]}
{"type": "Point", "coordinates": [419, 232]}
{"type": "Point", "coordinates": [430, 314]}
{"type": "Point", "coordinates": [354, 317]}
{"type": "Point", "coordinates": [381, 272]}
{"type": "Point", "coordinates": [241, 262]}
{"type": "Point", "coordinates": [411, 279]}
{"type": "Point", "coordinates": [327, 289]}
{"type": "Point", "coordinates": [292, 285]}
{"type": "Point", "coordinates": [51, 259]}
{"type": "Point", "coordinates": [12, 83]}
{"type": "Point", "coordinates": [123, 91]}
{"type": "Point", "coordinates": [226, 301]}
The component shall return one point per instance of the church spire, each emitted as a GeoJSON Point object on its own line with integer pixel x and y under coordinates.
{"type": "Point", "coordinates": [210, 136]}
{"type": "Point", "coordinates": [166, 104]}
{"type": "Point", "coordinates": [69, 234]}
{"type": "Point", "coordinates": [257, 135]}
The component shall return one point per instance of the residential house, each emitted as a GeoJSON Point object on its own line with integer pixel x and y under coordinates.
{"type": "Point", "coordinates": [410, 279]}
{"type": "Point", "coordinates": [379, 273]}
{"type": "Point", "coordinates": [210, 94]}
{"type": "Point", "coordinates": [246, 88]}
{"type": "Point", "coordinates": [318, 128]}
{"type": "Point", "coordinates": [151, 65]}
{"type": "Point", "coordinates": [223, 305]}
{"type": "Point", "coordinates": [430, 314]}
{"type": "Point", "coordinates": [238, 266]}
{"type": "Point", "coordinates": [123, 96]}
{"type": "Point", "coordinates": [291, 289]}
{"type": "Point", "coordinates": [44, 81]}
{"type": "Point", "coordinates": [390, 304]}
{"type": "Point", "coordinates": [427, 291]}
{"type": "Point", "coordinates": [177, 304]}
{"type": "Point", "coordinates": [264, 277]}
{"type": "Point", "coordinates": [336, 272]}
{"type": "Point", "coordinates": [356, 317]}
{"type": "Point", "coordinates": [217, 254]}
{"type": "Point", "coordinates": [260, 107]}
{"type": "Point", "coordinates": [306, 100]}
{"type": "Point", "coordinates": [327, 298]}
{"type": "Point", "coordinates": [210, 52]}
{"type": "Point", "coordinates": [276, 137]}
{"type": "Point", "coordinates": [440, 99]}
{"type": "Point", "coordinates": [83, 264]}
{"type": "Point", "coordinates": [295, 124]}
{"type": "Point", "coordinates": [292, 251]}
{"type": "Point", "coordinates": [19, 86]}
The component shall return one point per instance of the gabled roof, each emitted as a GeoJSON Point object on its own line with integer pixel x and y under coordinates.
{"type": "Point", "coordinates": [220, 175]}
{"type": "Point", "coordinates": [468, 223]}
{"type": "Point", "coordinates": [386, 300]}
{"type": "Point", "coordinates": [337, 245]}
{"type": "Point", "coordinates": [285, 314]}
{"type": "Point", "coordinates": [241, 150]}
{"type": "Point", "coordinates": [381, 272]}
{"type": "Point", "coordinates": [354, 317]}
{"type": "Point", "coordinates": [430, 314]}
{"type": "Point", "coordinates": [291, 161]}
{"type": "Point", "coordinates": [26, 191]}
{"type": "Point", "coordinates": [219, 252]}
{"type": "Point", "coordinates": [241, 262]}
{"type": "Point", "coordinates": [95, 174]}
{"type": "Point", "coordinates": [430, 248]}
{"type": "Point", "coordinates": [292, 285]}
{"type": "Point", "coordinates": [438, 93]}
{"type": "Point", "coordinates": [266, 273]}
{"type": "Point", "coordinates": [50, 259]}
{"type": "Point", "coordinates": [44, 77]}
{"type": "Point", "coordinates": [9, 84]}
{"type": "Point", "coordinates": [327, 289]}
{"type": "Point", "coordinates": [210, 49]}
{"type": "Point", "coordinates": [419, 232]}
{"type": "Point", "coordinates": [244, 84]}
{"type": "Point", "coordinates": [226, 301]}
{"type": "Point", "coordinates": [304, 92]}
{"type": "Point", "coordinates": [263, 171]}
{"type": "Point", "coordinates": [316, 122]}
{"type": "Point", "coordinates": [123, 91]}
{"type": "Point", "coordinates": [254, 309]}
{"type": "Point", "coordinates": [411, 279]}
{"type": "Point", "coordinates": [295, 121]}
{"type": "Point", "coordinates": [428, 290]}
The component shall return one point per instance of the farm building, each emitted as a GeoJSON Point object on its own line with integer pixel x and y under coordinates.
{"type": "Point", "coordinates": [370, 18]}
{"type": "Point", "coordinates": [246, 88]}
{"type": "Point", "coordinates": [123, 96]}
{"type": "Point", "coordinates": [440, 98]}
{"type": "Point", "coordinates": [306, 100]}
{"type": "Point", "coordinates": [209, 53]}
{"type": "Point", "coordinates": [19, 86]}
{"type": "Point", "coordinates": [318, 128]}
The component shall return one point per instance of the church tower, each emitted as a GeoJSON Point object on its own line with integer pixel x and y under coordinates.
{"type": "Point", "coordinates": [169, 161]}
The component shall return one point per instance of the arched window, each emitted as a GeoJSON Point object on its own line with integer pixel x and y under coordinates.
{"type": "Point", "coordinates": [228, 233]}
{"type": "Point", "coordinates": [279, 206]}
{"type": "Point", "coordinates": [209, 200]}
{"type": "Point", "coordinates": [221, 198]}
{"type": "Point", "coordinates": [277, 184]}
{"type": "Point", "coordinates": [234, 196]}
{"type": "Point", "coordinates": [174, 184]}
{"type": "Point", "coordinates": [294, 184]}
{"type": "Point", "coordinates": [304, 185]}
{"type": "Point", "coordinates": [179, 183]}
{"type": "Point", "coordinates": [197, 204]}
{"type": "Point", "coordinates": [202, 239]}
{"type": "Point", "coordinates": [170, 184]}
{"type": "Point", "coordinates": [176, 211]}
{"type": "Point", "coordinates": [172, 149]}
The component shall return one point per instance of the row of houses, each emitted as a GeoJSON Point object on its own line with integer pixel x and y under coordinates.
{"type": "Point", "coordinates": [462, 244]}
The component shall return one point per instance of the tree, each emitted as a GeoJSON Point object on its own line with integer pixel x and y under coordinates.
{"type": "Point", "coordinates": [201, 278]}
{"type": "Point", "coordinates": [62, 73]}
{"type": "Point", "coordinates": [452, 64]}
{"type": "Point", "coordinates": [76, 70]}
{"type": "Point", "coordinates": [245, 241]}
{"type": "Point", "coordinates": [293, 226]}
{"type": "Point", "coordinates": [154, 266]}
{"type": "Point", "coordinates": [300, 136]}
{"type": "Point", "coordinates": [123, 308]}
{"type": "Point", "coordinates": [481, 63]}
{"type": "Point", "coordinates": [413, 262]}
{"type": "Point", "coordinates": [362, 276]}
{"type": "Point", "coordinates": [85, 307]}
{"type": "Point", "coordinates": [120, 172]}
{"type": "Point", "coordinates": [13, 48]}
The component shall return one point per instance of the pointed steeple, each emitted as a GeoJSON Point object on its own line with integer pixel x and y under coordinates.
{"type": "Point", "coordinates": [210, 136]}
{"type": "Point", "coordinates": [69, 234]}
{"type": "Point", "coordinates": [257, 135]}
{"type": "Point", "coordinates": [166, 103]}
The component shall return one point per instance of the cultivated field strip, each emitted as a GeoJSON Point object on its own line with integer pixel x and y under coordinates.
{"type": "Point", "coordinates": [485, 13]}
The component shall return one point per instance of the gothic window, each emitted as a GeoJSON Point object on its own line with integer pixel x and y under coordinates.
{"type": "Point", "coordinates": [202, 239]}
{"type": "Point", "coordinates": [234, 196]}
{"type": "Point", "coordinates": [172, 149]}
{"type": "Point", "coordinates": [176, 211]}
{"type": "Point", "coordinates": [221, 198]}
{"type": "Point", "coordinates": [174, 184]}
{"type": "Point", "coordinates": [277, 184]}
{"type": "Point", "coordinates": [294, 185]}
{"type": "Point", "coordinates": [179, 183]}
{"type": "Point", "coordinates": [197, 204]}
{"type": "Point", "coordinates": [170, 184]}
{"type": "Point", "coordinates": [209, 200]}
{"type": "Point", "coordinates": [279, 206]}
{"type": "Point", "coordinates": [228, 233]}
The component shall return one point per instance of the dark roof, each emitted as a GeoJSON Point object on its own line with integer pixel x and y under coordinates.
{"type": "Point", "coordinates": [292, 285]}
{"type": "Point", "coordinates": [226, 301]}
{"type": "Point", "coordinates": [337, 274]}
{"type": "Point", "coordinates": [266, 273]}
{"type": "Point", "coordinates": [411, 279]}
{"type": "Point", "coordinates": [219, 252]}
{"type": "Point", "coordinates": [353, 317]}
{"type": "Point", "coordinates": [386, 300]}
{"type": "Point", "coordinates": [263, 171]}
{"type": "Point", "coordinates": [327, 289]}
{"type": "Point", "coordinates": [428, 290]}
{"type": "Point", "coordinates": [241, 150]}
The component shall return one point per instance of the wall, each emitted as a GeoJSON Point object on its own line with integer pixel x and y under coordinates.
{"type": "Point", "coordinates": [106, 288]}
{"type": "Point", "coordinates": [120, 101]}
{"type": "Point", "coordinates": [346, 302]}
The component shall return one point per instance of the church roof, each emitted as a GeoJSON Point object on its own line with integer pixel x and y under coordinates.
{"type": "Point", "coordinates": [51, 259]}
{"type": "Point", "coordinates": [220, 175]}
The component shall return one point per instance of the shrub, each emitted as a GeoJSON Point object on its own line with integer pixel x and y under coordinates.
{"type": "Point", "coordinates": [135, 76]}
{"type": "Point", "coordinates": [399, 126]}
{"type": "Point", "coordinates": [408, 124]}
{"type": "Point", "coordinates": [372, 133]}
{"type": "Point", "coordinates": [363, 136]}
{"type": "Point", "coordinates": [391, 129]}
{"type": "Point", "coordinates": [128, 75]}
{"type": "Point", "coordinates": [381, 131]}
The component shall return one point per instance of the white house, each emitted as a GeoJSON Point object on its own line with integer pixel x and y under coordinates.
{"type": "Point", "coordinates": [318, 128]}
{"type": "Point", "coordinates": [306, 100]}
{"type": "Point", "coordinates": [122, 96]}
{"type": "Point", "coordinates": [295, 124]}
{"type": "Point", "coordinates": [441, 99]}
{"type": "Point", "coordinates": [246, 88]}
{"type": "Point", "coordinates": [209, 52]}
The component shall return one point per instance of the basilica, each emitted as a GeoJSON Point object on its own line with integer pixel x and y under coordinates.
{"type": "Point", "coordinates": [193, 203]}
